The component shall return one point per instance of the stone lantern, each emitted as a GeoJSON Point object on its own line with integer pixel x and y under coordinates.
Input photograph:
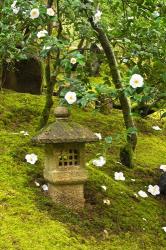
{"type": "Point", "coordinates": [65, 159]}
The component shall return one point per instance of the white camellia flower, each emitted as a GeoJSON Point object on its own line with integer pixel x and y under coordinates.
{"type": "Point", "coordinates": [73, 60]}
{"type": "Point", "coordinates": [157, 128]}
{"type": "Point", "coordinates": [130, 18]}
{"type": "Point", "coordinates": [142, 194]}
{"type": "Point", "coordinates": [163, 167]}
{"type": "Point", "coordinates": [125, 60]}
{"type": "Point", "coordinates": [164, 228]}
{"type": "Point", "coordinates": [42, 33]}
{"type": "Point", "coordinates": [118, 176]}
{"type": "Point", "coordinates": [34, 13]}
{"type": "Point", "coordinates": [98, 135]}
{"type": "Point", "coordinates": [45, 187]}
{"type": "Point", "coordinates": [154, 190]}
{"type": "Point", "coordinates": [155, 13]}
{"type": "Point", "coordinates": [31, 158]}
{"type": "Point", "coordinates": [14, 8]}
{"type": "Point", "coordinates": [46, 47]}
{"type": "Point", "coordinates": [14, 4]}
{"type": "Point", "coordinates": [101, 161]}
{"type": "Point", "coordinates": [107, 202]}
{"type": "Point", "coordinates": [97, 16]}
{"type": "Point", "coordinates": [136, 81]}
{"type": "Point", "coordinates": [104, 187]}
{"type": "Point", "coordinates": [50, 12]}
{"type": "Point", "coordinates": [71, 97]}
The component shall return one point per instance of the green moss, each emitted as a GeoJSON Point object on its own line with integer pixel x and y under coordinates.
{"type": "Point", "coordinates": [147, 146]}
{"type": "Point", "coordinates": [29, 219]}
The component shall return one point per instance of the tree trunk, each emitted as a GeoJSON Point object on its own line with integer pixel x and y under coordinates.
{"type": "Point", "coordinates": [1, 79]}
{"type": "Point", "coordinates": [49, 84]}
{"type": "Point", "coordinates": [50, 81]}
{"type": "Point", "coordinates": [126, 153]}
{"type": "Point", "coordinates": [49, 98]}
{"type": "Point", "coordinates": [1, 63]}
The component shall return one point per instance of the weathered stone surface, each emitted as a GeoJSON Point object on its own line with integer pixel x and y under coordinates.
{"type": "Point", "coordinates": [65, 173]}
{"type": "Point", "coordinates": [65, 159]}
{"type": "Point", "coordinates": [64, 130]}
{"type": "Point", "coordinates": [72, 196]}
{"type": "Point", "coordinates": [25, 78]}
{"type": "Point", "coordinates": [61, 112]}
{"type": "Point", "coordinates": [66, 181]}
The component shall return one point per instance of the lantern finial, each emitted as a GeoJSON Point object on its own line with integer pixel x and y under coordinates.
{"type": "Point", "coordinates": [61, 112]}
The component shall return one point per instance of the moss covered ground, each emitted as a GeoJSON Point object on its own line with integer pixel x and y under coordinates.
{"type": "Point", "coordinates": [28, 218]}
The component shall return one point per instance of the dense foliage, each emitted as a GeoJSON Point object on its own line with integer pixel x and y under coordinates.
{"type": "Point", "coordinates": [65, 34]}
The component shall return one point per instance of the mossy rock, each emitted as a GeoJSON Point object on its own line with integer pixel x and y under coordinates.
{"type": "Point", "coordinates": [26, 77]}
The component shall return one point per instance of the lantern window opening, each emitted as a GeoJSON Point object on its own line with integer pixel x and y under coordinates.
{"type": "Point", "coordinates": [69, 158]}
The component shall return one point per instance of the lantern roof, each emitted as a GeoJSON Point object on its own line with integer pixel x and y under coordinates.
{"type": "Point", "coordinates": [63, 130]}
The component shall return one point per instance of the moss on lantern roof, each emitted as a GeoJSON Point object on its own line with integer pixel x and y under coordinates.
{"type": "Point", "coordinates": [64, 130]}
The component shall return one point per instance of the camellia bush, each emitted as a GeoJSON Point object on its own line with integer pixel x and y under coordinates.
{"type": "Point", "coordinates": [59, 34]}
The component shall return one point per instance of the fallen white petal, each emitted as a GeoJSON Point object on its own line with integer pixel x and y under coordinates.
{"type": "Point", "coordinates": [104, 188]}
{"type": "Point", "coordinates": [98, 135]}
{"type": "Point", "coordinates": [31, 158]}
{"type": "Point", "coordinates": [99, 162]}
{"type": "Point", "coordinates": [142, 194]}
{"type": "Point", "coordinates": [45, 187]}
{"type": "Point", "coordinates": [26, 133]}
{"type": "Point", "coordinates": [119, 162]}
{"type": "Point", "coordinates": [163, 167]}
{"type": "Point", "coordinates": [105, 231]}
{"type": "Point", "coordinates": [157, 128]}
{"type": "Point", "coordinates": [37, 184]}
{"type": "Point", "coordinates": [107, 202]}
{"type": "Point", "coordinates": [118, 176]}
{"type": "Point", "coordinates": [154, 190]}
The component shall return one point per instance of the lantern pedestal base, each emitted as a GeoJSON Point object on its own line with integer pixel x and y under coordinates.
{"type": "Point", "coordinates": [71, 196]}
